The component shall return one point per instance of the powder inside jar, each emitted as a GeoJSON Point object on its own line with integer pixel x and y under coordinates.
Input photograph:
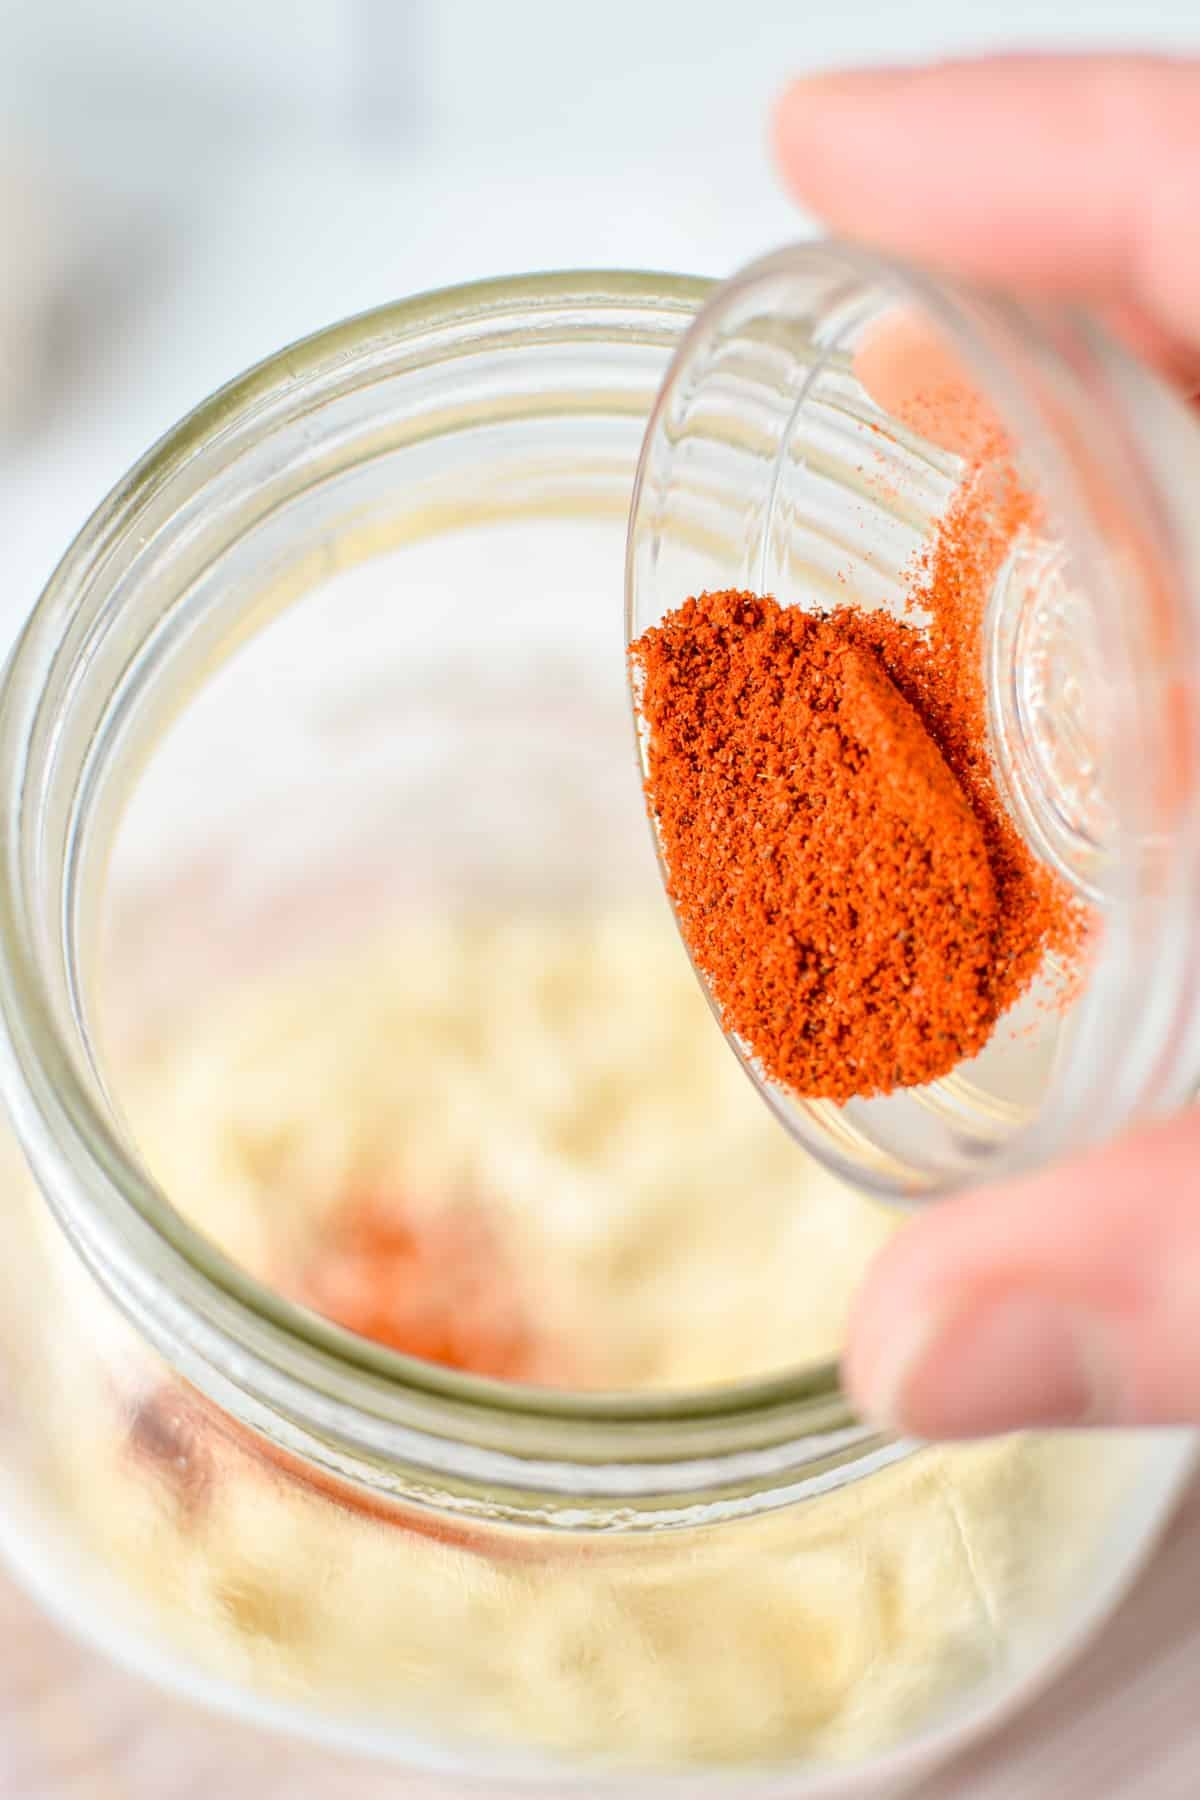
{"type": "Point", "coordinates": [433, 1284]}
{"type": "Point", "coordinates": [388, 1123]}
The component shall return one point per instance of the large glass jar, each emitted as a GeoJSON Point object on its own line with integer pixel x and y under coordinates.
{"type": "Point", "coordinates": [349, 640]}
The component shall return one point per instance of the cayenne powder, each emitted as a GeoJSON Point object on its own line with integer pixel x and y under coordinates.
{"type": "Point", "coordinates": [434, 1285]}
{"type": "Point", "coordinates": [844, 871]}
{"type": "Point", "coordinates": [431, 1285]}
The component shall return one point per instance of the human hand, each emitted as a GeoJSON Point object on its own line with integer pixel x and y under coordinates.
{"type": "Point", "coordinates": [1072, 1297]}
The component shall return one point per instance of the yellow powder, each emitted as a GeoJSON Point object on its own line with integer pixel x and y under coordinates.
{"type": "Point", "coordinates": [566, 1072]}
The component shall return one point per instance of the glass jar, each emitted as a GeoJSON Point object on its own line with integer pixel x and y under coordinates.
{"type": "Point", "coordinates": [780, 459]}
{"type": "Point", "coordinates": [348, 640]}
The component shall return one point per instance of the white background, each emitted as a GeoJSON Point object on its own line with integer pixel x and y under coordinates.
{"type": "Point", "coordinates": [226, 177]}
{"type": "Point", "coordinates": [239, 172]}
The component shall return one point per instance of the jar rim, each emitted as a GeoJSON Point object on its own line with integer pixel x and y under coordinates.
{"type": "Point", "coordinates": [230, 1334]}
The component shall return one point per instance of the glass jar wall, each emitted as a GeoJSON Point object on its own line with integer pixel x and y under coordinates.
{"type": "Point", "coordinates": [327, 890]}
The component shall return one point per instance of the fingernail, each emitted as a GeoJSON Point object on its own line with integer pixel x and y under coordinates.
{"type": "Point", "coordinates": [1013, 1362]}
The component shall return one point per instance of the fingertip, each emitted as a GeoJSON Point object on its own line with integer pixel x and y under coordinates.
{"type": "Point", "coordinates": [791, 118]}
{"type": "Point", "coordinates": [877, 1365]}
{"type": "Point", "coordinates": [894, 1318]}
{"type": "Point", "coordinates": [941, 1354]}
{"type": "Point", "coordinates": [1068, 1297]}
{"type": "Point", "coordinates": [788, 131]}
{"type": "Point", "coordinates": [810, 114]}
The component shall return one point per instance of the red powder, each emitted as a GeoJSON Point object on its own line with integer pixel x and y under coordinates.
{"type": "Point", "coordinates": [914, 376]}
{"type": "Point", "coordinates": [830, 876]}
{"type": "Point", "coordinates": [432, 1285]}
{"type": "Point", "coordinates": [843, 867]}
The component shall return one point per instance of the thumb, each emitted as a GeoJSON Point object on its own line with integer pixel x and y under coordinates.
{"type": "Point", "coordinates": [1070, 1298]}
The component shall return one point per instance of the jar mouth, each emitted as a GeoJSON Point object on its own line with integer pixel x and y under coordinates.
{"type": "Point", "coordinates": [298, 1375]}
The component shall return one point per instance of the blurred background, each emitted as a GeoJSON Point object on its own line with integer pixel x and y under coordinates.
{"type": "Point", "coordinates": [185, 185]}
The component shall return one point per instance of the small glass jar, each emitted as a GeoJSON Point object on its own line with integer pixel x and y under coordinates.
{"type": "Point", "coordinates": [351, 635]}
{"type": "Point", "coordinates": [774, 463]}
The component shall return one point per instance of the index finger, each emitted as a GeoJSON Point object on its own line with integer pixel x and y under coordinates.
{"type": "Point", "coordinates": [1070, 175]}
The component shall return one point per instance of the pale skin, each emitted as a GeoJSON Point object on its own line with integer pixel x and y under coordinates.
{"type": "Point", "coordinates": [1073, 1297]}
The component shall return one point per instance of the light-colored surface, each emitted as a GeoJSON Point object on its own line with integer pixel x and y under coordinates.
{"type": "Point", "coordinates": [558, 1077]}
{"type": "Point", "coordinates": [1123, 1725]}
{"type": "Point", "coordinates": [249, 192]}
{"type": "Point", "coordinates": [248, 197]}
